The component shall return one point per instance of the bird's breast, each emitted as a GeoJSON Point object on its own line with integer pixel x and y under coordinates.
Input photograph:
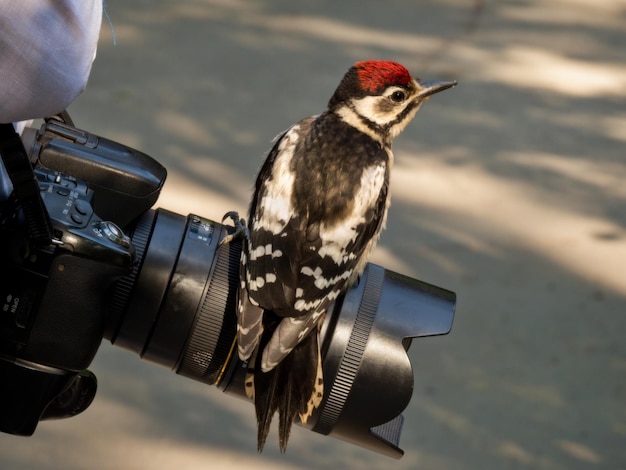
{"type": "Point", "coordinates": [339, 171]}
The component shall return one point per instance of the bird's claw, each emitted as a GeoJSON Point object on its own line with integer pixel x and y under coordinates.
{"type": "Point", "coordinates": [241, 229]}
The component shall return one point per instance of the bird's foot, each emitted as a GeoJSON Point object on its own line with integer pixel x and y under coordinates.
{"type": "Point", "coordinates": [241, 229]}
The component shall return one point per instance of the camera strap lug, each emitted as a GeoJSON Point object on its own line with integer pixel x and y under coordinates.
{"type": "Point", "coordinates": [25, 185]}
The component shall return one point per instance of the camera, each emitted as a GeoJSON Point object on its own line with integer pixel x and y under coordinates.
{"type": "Point", "coordinates": [86, 257]}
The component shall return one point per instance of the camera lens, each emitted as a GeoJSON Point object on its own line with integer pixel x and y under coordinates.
{"type": "Point", "coordinates": [177, 307]}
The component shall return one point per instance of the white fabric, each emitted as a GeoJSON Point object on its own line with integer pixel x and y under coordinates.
{"type": "Point", "coordinates": [46, 51]}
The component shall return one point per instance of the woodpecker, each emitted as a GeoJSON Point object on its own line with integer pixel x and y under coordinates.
{"type": "Point", "coordinates": [319, 204]}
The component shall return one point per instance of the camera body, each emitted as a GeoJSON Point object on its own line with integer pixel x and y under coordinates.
{"type": "Point", "coordinates": [158, 284]}
{"type": "Point", "coordinates": [54, 298]}
{"type": "Point", "coordinates": [67, 279]}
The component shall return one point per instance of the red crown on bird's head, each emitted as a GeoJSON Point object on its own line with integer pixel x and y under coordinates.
{"type": "Point", "coordinates": [375, 75]}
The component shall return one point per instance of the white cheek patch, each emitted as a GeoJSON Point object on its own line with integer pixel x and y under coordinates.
{"type": "Point", "coordinates": [369, 107]}
{"type": "Point", "coordinates": [374, 110]}
{"type": "Point", "coordinates": [395, 130]}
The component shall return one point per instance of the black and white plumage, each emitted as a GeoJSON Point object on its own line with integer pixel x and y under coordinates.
{"type": "Point", "coordinates": [319, 205]}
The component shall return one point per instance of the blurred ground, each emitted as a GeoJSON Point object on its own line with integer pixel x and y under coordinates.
{"type": "Point", "coordinates": [509, 189]}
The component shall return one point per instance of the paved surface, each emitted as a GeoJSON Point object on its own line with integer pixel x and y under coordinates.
{"type": "Point", "coordinates": [509, 190]}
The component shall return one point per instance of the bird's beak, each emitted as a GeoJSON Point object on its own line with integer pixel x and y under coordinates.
{"type": "Point", "coordinates": [432, 87]}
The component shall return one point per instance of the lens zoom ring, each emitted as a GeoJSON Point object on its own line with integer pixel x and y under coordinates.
{"type": "Point", "coordinates": [213, 334]}
{"type": "Point", "coordinates": [351, 360]}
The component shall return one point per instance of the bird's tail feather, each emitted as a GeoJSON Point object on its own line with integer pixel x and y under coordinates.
{"type": "Point", "coordinates": [293, 387]}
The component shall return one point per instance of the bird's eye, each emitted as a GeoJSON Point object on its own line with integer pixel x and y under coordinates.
{"type": "Point", "coordinates": [398, 96]}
